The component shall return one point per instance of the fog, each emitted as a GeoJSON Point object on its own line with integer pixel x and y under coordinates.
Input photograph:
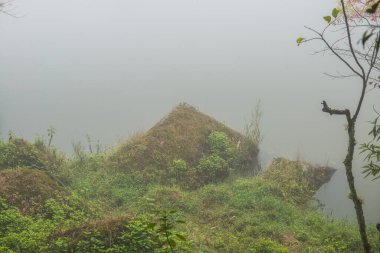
{"type": "Point", "coordinates": [111, 68]}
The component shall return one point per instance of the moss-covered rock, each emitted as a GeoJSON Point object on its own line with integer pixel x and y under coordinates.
{"type": "Point", "coordinates": [297, 180]}
{"type": "Point", "coordinates": [180, 135]}
{"type": "Point", "coordinates": [187, 135]}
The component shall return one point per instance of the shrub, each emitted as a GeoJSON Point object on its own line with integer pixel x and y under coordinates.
{"type": "Point", "coordinates": [20, 233]}
{"type": "Point", "coordinates": [246, 160]}
{"type": "Point", "coordinates": [137, 237]}
{"type": "Point", "coordinates": [266, 245]}
{"type": "Point", "coordinates": [212, 169]}
{"type": "Point", "coordinates": [18, 153]}
{"type": "Point", "coordinates": [67, 211]}
{"type": "Point", "coordinates": [220, 144]}
{"type": "Point", "coordinates": [178, 169]}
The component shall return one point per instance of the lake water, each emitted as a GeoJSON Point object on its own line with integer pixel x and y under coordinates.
{"type": "Point", "coordinates": [334, 196]}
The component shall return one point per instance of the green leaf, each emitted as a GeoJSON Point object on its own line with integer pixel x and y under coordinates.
{"type": "Point", "coordinates": [300, 40]}
{"type": "Point", "coordinates": [151, 225]}
{"type": "Point", "coordinates": [172, 242]}
{"type": "Point", "coordinates": [374, 130]}
{"type": "Point", "coordinates": [335, 12]}
{"type": "Point", "coordinates": [181, 237]}
{"type": "Point", "coordinates": [327, 18]}
{"type": "Point", "coordinates": [366, 36]}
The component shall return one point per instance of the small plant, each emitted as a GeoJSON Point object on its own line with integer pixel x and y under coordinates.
{"type": "Point", "coordinates": [371, 150]}
{"type": "Point", "coordinates": [165, 226]}
{"type": "Point", "coordinates": [252, 128]}
{"type": "Point", "coordinates": [246, 158]}
{"type": "Point", "coordinates": [51, 132]}
{"type": "Point", "coordinates": [266, 245]}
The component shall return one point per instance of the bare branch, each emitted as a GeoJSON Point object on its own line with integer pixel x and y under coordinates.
{"type": "Point", "coordinates": [331, 111]}
{"type": "Point", "coordinates": [339, 76]}
{"type": "Point", "coordinates": [334, 52]}
{"type": "Point", "coordinates": [374, 108]}
{"type": "Point", "coordinates": [6, 8]}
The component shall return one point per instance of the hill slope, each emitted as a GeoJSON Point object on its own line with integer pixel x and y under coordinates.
{"type": "Point", "coordinates": [182, 134]}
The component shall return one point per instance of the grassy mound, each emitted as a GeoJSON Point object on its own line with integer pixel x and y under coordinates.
{"type": "Point", "coordinates": [180, 135]}
{"type": "Point", "coordinates": [297, 180]}
{"type": "Point", "coordinates": [188, 139]}
{"type": "Point", "coordinates": [27, 189]}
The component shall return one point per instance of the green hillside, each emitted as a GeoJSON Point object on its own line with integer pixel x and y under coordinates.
{"type": "Point", "coordinates": [180, 187]}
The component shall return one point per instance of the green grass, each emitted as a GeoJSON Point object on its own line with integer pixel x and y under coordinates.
{"type": "Point", "coordinates": [267, 213]}
{"type": "Point", "coordinates": [240, 215]}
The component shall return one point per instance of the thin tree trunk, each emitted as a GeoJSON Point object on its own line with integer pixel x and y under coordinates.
{"type": "Point", "coordinates": [351, 183]}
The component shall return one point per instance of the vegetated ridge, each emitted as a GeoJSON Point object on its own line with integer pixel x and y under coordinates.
{"type": "Point", "coordinates": [187, 144]}
{"type": "Point", "coordinates": [182, 134]}
{"type": "Point", "coordinates": [204, 201]}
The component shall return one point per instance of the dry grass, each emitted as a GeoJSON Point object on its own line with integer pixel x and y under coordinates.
{"type": "Point", "coordinates": [108, 227]}
{"type": "Point", "coordinates": [26, 188]}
